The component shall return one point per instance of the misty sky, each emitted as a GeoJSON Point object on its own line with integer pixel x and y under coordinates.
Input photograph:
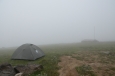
{"type": "Point", "coordinates": [55, 21]}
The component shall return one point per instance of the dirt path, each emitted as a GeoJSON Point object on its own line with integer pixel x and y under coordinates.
{"type": "Point", "coordinates": [68, 65]}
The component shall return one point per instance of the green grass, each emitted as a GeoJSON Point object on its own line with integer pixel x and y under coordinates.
{"type": "Point", "coordinates": [85, 70]}
{"type": "Point", "coordinates": [53, 53]}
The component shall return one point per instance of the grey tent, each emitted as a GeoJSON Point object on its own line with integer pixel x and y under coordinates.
{"type": "Point", "coordinates": [28, 52]}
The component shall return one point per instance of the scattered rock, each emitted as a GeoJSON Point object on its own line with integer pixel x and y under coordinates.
{"type": "Point", "coordinates": [19, 70]}
{"type": "Point", "coordinates": [106, 52]}
{"type": "Point", "coordinates": [19, 74]}
{"type": "Point", "coordinates": [7, 70]}
{"type": "Point", "coordinates": [28, 69]}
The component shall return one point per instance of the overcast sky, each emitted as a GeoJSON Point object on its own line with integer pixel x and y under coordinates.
{"type": "Point", "coordinates": [55, 21]}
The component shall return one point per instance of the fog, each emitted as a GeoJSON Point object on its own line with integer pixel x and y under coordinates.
{"type": "Point", "coordinates": [43, 22]}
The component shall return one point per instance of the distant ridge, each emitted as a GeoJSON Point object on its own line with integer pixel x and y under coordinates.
{"type": "Point", "coordinates": [90, 40]}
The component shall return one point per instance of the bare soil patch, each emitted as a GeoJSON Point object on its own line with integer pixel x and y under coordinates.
{"type": "Point", "coordinates": [68, 64]}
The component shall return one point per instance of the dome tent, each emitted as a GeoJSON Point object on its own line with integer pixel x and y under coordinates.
{"type": "Point", "coordinates": [27, 52]}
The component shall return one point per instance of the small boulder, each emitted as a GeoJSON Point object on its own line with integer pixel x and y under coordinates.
{"type": "Point", "coordinates": [28, 69]}
{"type": "Point", "coordinates": [7, 70]}
{"type": "Point", "coordinates": [19, 74]}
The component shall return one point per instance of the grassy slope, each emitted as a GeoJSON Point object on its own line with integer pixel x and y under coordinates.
{"type": "Point", "coordinates": [53, 52]}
